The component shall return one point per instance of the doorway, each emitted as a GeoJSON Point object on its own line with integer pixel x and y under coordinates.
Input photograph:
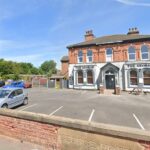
{"type": "Point", "coordinates": [110, 81]}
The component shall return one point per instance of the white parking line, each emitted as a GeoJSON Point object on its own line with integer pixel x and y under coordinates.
{"type": "Point", "coordinates": [138, 121]}
{"type": "Point", "coordinates": [56, 110]}
{"type": "Point", "coordinates": [92, 113]}
{"type": "Point", "coordinates": [27, 107]}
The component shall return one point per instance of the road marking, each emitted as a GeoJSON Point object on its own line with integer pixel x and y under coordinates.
{"type": "Point", "coordinates": [27, 107]}
{"type": "Point", "coordinates": [56, 110]}
{"type": "Point", "coordinates": [138, 121]}
{"type": "Point", "coordinates": [92, 113]}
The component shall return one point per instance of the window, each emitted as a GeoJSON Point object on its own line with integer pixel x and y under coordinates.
{"type": "Point", "coordinates": [144, 52]}
{"type": "Point", "coordinates": [19, 92]}
{"type": "Point", "coordinates": [80, 77]}
{"type": "Point", "coordinates": [89, 56]}
{"type": "Point", "coordinates": [131, 53]}
{"type": "Point", "coordinates": [89, 77]}
{"type": "Point", "coordinates": [13, 94]}
{"type": "Point", "coordinates": [109, 54]}
{"type": "Point", "coordinates": [146, 76]}
{"type": "Point", "coordinates": [80, 57]}
{"type": "Point", "coordinates": [133, 77]}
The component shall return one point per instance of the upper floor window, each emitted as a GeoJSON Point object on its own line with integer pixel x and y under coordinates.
{"type": "Point", "coordinates": [80, 77]}
{"type": "Point", "coordinates": [80, 56]}
{"type": "Point", "coordinates": [109, 54]}
{"type": "Point", "coordinates": [90, 77]}
{"type": "Point", "coordinates": [146, 77]}
{"type": "Point", "coordinates": [133, 77]}
{"type": "Point", "coordinates": [144, 52]}
{"type": "Point", "coordinates": [131, 53]}
{"type": "Point", "coordinates": [89, 56]}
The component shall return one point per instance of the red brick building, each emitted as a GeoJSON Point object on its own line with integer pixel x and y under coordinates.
{"type": "Point", "coordinates": [121, 60]}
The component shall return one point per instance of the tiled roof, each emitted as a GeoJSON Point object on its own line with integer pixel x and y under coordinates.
{"type": "Point", "coordinates": [120, 38]}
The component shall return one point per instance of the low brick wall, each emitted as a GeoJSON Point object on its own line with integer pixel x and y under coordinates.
{"type": "Point", "coordinates": [58, 133]}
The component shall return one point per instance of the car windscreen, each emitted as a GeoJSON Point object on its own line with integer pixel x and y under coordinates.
{"type": "Point", "coordinates": [13, 84]}
{"type": "Point", "coordinates": [4, 93]}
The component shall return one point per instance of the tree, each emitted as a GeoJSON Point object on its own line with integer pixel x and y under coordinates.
{"type": "Point", "coordinates": [48, 67]}
{"type": "Point", "coordinates": [34, 70]}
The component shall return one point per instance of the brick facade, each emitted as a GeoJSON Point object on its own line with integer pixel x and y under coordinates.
{"type": "Point", "coordinates": [64, 68]}
{"type": "Point", "coordinates": [120, 52]}
{"type": "Point", "coordinates": [115, 69]}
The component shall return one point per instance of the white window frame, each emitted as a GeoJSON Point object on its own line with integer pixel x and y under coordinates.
{"type": "Point", "coordinates": [145, 52]}
{"type": "Point", "coordinates": [131, 53]}
{"type": "Point", "coordinates": [87, 77]}
{"type": "Point", "coordinates": [131, 85]}
{"type": "Point", "coordinates": [78, 78]}
{"type": "Point", "coordinates": [80, 56]}
{"type": "Point", "coordinates": [143, 80]}
{"type": "Point", "coordinates": [87, 57]}
{"type": "Point", "coordinates": [109, 55]}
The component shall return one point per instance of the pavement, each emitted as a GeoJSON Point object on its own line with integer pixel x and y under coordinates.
{"type": "Point", "coordinates": [7, 143]}
{"type": "Point", "coordinates": [124, 110]}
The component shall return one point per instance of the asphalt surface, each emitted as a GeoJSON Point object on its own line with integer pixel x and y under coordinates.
{"type": "Point", "coordinates": [125, 110]}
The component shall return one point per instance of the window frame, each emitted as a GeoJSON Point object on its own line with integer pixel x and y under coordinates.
{"type": "Point", "coordinates": [133, 85]}
{"type": "Point", "coordinates": [92, 77]}
{"type": "Point", "coordinates": [145, 52]}
{"type": "Point", "coordinates": [131, 53]}
{"type": "Point", "coordinates": [19, 92]}
{"type": "Point", "coordinates": [87, 57]}
{"type": "Point", "coordinates": [145, 77]}
{"type": "Point", "coordinates": [80, 56]}
{"type": "Point", "coordinates": [78, 77]}
{"type": "Point", "coordinates": [109, 55]}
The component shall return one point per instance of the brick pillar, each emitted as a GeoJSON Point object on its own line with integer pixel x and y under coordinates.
{"type": "Point", "coordinates": [101, 89]}
{"type": "Point", "coordinates": [117, 90]}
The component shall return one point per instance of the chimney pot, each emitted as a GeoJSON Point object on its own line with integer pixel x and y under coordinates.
{"type": "Point", "coordinates": [89, 35]}
{"type": "Point", "coordinates": [133, 31]}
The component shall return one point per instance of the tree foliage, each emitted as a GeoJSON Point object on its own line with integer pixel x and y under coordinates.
{"type": "Point", "coordinates": [12, 70]}
{"type": "Point", "coordinates": [48, 67]}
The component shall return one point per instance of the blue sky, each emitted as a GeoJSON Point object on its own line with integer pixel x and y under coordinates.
{"type": "Point", "coordinates": [38, 30]}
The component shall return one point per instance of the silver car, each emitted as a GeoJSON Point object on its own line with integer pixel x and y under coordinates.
{"type": "Point", "coordinates": [10, 98]}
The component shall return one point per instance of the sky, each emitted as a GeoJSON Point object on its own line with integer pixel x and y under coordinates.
{"type": "Point", "coordinates": [39, 30]}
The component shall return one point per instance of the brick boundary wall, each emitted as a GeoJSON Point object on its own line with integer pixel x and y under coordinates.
{"type": "Point", "coordinates": [58, 133]}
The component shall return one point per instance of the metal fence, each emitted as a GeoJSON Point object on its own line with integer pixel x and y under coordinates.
{"type": "Point", "coordinates": [40, 82]}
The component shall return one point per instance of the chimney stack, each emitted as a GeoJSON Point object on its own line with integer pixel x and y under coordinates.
{"type": "Point", "coordinates": [89, 35]}
{"type": "Point", "coordinates": [133, 31]}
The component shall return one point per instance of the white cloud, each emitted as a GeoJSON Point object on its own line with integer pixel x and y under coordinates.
{"type": "Point", "coordinates": [134, 2]}
{"type": "Point", "coordinates": [35, 52]}
{"type": "Point", "coordinates": [26, 58]}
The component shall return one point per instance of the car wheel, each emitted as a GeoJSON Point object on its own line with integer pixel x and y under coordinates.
{"type": "Point", "coordinates": [25, 101]}
{"type": "Point", "coordinates": [5, 106]}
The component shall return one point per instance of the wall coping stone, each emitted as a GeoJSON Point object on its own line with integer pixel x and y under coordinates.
{"type": "Point", "coordinates": [98, 128]}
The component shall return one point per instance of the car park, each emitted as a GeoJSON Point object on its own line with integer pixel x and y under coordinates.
{"type": "Point", "coordinates": [27, 85]}
{"type": "Point", "coordinates": [12, 97]}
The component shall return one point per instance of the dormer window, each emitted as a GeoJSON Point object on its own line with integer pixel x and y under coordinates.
{"type": "Point", "coordinates": [80, 56]}
{"type": "Point", "coordinates": [131, 53]}
{"type": "Point", "coordinates": [109, 55]}
{"type": "Point", "coordinates": [89, 56]}
{"type": "Point", "coordinates": [144, 52]}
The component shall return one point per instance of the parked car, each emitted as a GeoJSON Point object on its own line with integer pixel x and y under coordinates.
{"type": "Point", "coordinates": [10, 98]}
{"type": "Point", "coordinates": [19, 84]}
{"type": "Point", "coordinates": [27, 85]}
{"type": "Point", "coordinates": [2, 83]}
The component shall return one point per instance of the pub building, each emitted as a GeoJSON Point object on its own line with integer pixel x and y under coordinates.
{"type": "Point", "coordinates": [110, 62]}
